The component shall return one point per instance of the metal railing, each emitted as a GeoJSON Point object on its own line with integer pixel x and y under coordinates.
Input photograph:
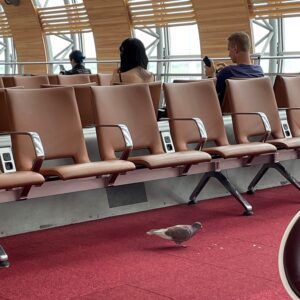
{"type": "Point", "coordinates": [256, 59]}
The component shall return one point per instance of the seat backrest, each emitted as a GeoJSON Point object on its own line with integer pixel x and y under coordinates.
{"type": "Point", "coordinates": [253, 95]}
{"type": "Point", "coordinates": [84, 102]}
{"type": "Point", "coordinates": [8, 81]}
{"type": "Point", "coordinates": [1, 83]}
{"type": "Point", "coordinates": [73, 79]}
{"type": "Point", "coordinates": [214, 79]}
{"type": "Point", "coordinates": [287, 91]}
{"type": "Point", "coordinates": [130, 105]}
{"type": "Point", "coordinates": [31, 82]}
{"type": "Point", "coordinates": [104, 79]}
{"type": "Point", "coordinates": [288, 258]}
{"type": "Point", "coordinates": [54, 115]}
{"type": "Point", "coordinates": [94, 78]}
{"type": "Point", "coordinates": [194, 99]}
{"type": "Point", "coordinates": [155, 91]}
{"type": "Point", "coordinates": [4, 117]}
{"type": "Point", "coordinates": [53, 78]}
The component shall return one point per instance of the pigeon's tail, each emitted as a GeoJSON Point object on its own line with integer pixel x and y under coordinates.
{"type": "Point", "coordinates": [151, 232]}
{"type": "Point", "coordinates": [159, 232]}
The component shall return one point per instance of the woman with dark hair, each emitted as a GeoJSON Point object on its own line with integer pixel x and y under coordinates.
{"type": "Point", "coordinates": [76, 60]}
{"type": "Point", "coordinates": [134, 62]}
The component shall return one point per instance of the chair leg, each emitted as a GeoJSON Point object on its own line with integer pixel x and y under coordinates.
{"type": "Point", "coordinates": [282, 170]}
{"type": "Point", "coordinates": [199, 187]}
{"type": "Point", "coordinates": [24, 193]}
{"type": "Point", "coordinates": [277, 166]}
{"type": "Point", "coordinates": [4, 263]}
{"type": "Point", "coordinates": [257, 178]}
{"type": "Point", "coordinates": [227, 184]}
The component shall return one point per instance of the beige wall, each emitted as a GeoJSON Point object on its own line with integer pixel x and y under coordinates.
{"type": "Point", "coordinates": [216, 20]}
{"type": "Point", "coordinates": [110, 24]}
{"type": "Point", "coordinates": [27, 34]}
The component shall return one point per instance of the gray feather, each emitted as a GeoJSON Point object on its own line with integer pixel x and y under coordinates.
{"type": "Point", "coordinates": [177, 233]}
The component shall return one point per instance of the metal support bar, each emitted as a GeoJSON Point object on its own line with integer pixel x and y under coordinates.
{"type": "Point", "coordinates": [227, 184]}
{"type": "Point", "coordinates": [4, 263]}
{"type": "Point", "coordinates": [277, 166]}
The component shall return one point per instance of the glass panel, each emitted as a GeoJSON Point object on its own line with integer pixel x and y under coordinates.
{"type": "Point", "coordinates": [291, 34]}
{"type": "Point", "coordinates": [184, 40]}
{"type": "Point", "coordinates": [291, 66]}
{"type": "Point", "coordinates": [260, 34]}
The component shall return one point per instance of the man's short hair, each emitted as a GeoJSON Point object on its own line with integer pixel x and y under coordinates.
{"type": "Point", "coordinates": [241, 40]}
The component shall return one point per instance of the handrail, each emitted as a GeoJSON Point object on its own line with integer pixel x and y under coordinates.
{"type": "Point", "coordinates": [255, 57]}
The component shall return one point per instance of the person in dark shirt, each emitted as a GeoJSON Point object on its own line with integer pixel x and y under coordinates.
{"type": "Point", "coordinates": [239, 52]}
{"type": "Point", "coordinates": [76, 59]}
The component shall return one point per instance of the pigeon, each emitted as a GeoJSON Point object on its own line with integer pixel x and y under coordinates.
{"type": "Point", "coordinates": [177, 233]}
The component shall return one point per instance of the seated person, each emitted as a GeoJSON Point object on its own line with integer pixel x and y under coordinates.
{"type": "Point", "coordinates": [134, 62]}
{"type": "Point", "coordinates": [239, 52]}
{"type": "Point", "coordinates": [76, 60]}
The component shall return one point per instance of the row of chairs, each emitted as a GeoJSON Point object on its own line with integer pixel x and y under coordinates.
{"type": "Point", "coordinates": [33, 82]}
{"type": "Point", "coordinates": [44, 124]}
{"type": "Point", "coordinates": [128, 105]}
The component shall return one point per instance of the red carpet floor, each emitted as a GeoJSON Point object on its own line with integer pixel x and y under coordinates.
{"type": "Point", "coordinates": [233, 257]}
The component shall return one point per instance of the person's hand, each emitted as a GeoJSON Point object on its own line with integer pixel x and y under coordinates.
{"type": "Point", "coordinates": [210, 71]}
{"type": "Point", "coordinates": [220, 66]}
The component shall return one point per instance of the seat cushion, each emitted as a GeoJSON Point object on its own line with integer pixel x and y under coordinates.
{"type": "Point", "coordinates": [163, 160]}
{"type": "Point", "coordinates": [288, 143]}
{"type": "Point", "coordinates": [88, 169]}
{"type": "Point", "coordinates": [20, 179]}
{"type": "Point", "coordinates": [241, 150]}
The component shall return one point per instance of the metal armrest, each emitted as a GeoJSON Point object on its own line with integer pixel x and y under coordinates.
{"type": "Point", "coordinates": [288, 108]}
{"type": "Point", "coordinates": [37, 146]}
{"type": "Point", "coordinates": [126, 136]}
{"type": "Point", "coordinates": [200, 126]}
{"type": "Point", "coordinates": [263, 118]}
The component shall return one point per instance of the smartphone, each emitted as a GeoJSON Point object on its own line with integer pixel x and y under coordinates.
{"type": "Point", "coordinates": [62, 68]}
{"type": "Point", "coordinates": [207, 61]}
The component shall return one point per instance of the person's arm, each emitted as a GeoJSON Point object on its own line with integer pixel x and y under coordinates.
{"type": "Point", "coordinates": [115, 77]}
{"type": "Point", "coordinates": [213, 70]}
{"type": "Point", "coordinates": [221, 83]}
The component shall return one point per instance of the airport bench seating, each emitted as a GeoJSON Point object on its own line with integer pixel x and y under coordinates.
{"type": "Point", "coordinates": [83, 95]}
{"type": "Point", "coordinates": [53, 113]}
{"type": "Point", "coordinates": [31, 82]}
{"type": "Point", "coordinates": [257, 95]}
{"type": "Point", "coordinates": [287, 91]}
{"type": "Point", "coordinates": [132, 105]}
{"type": "Point", "coordinates": [201, 101]}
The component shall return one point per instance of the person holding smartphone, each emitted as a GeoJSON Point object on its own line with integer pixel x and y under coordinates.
{"type": "Point", "coordinates": [76, 60]}
{"type": "Point", "coordinates": [239, 52]}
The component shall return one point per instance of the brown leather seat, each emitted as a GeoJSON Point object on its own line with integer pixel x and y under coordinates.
{"type": "Point", "coordinates": [104, 79]}
{"type": "Point", "coordinates": [288, 258]}
{"type": "Point", "coordinates": [1, 83]}
{"type": "Point", "coordinates": [155, 91]}
{"type": "Point", "coordinates": [53, 78]}
{"type": "Point", "coordinates": [53, 113]}
{"type": "Point", "coordinates": [31, 82]}
{"type": "Point", "coordinates": [21, 178]}
{"type": "Point", "coordinates": [8, 81]}
{"type": "Point", "coordinates": [84, 101]}
{"type": "Point", "coordinates": [73, 79]}
{"type": "Point", "coordinates": [287, 91]}
{"type": "Point", "coordinates": [132, 105]}
{"type": "Point", "coordinates": [257, 95]}
{"type": "Point", "coordinates": [199, 99]}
